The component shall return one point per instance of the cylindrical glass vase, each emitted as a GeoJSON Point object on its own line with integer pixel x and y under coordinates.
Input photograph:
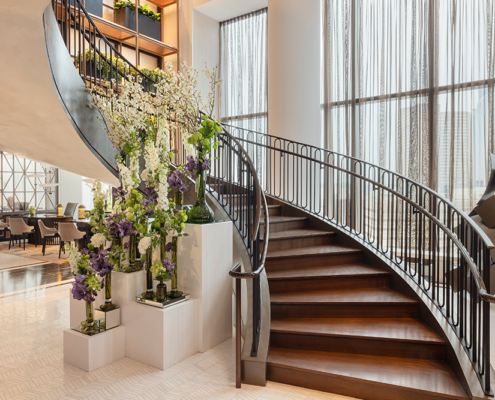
{"type": "Point", "coordinates": [174, 292]}
{"type": "Point", "coordinates": [149, 294]}
{"type": "Point", "coordinates": [201, 213]}
{"type": "Point", "coordinates": [108, 306]}
{"type": "Point", "coordinates": [90, 326]}
{"type": "Point", "coordinates": [117, 241]}
{"type": "Point", "coordinates": [178, 200]}
{"type": "Point", "coordinates": [134, 263]}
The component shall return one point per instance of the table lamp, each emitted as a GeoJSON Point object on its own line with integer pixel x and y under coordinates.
{"type": "Point", "coordinates": [82, 211]}
{"type": "Point", "coordinates": [60, 210]}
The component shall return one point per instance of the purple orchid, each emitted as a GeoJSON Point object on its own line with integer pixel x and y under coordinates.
{"type": "Point", "coordinates": [175, 181]}
{"type": "Point", "coordinates": [191, 166]}
{"type": "Point", "coordinates": [147, 205]}
{"type": "Point", "coordinates": [80, 290]}
{"type": "Point", "coordinates": [119, 192]}
{"type": "Point", "coordinates": [168, 246]}
{"type": "Point", "coordinates": [101, 263]}
{"type": "Point", "coordinates": [125, 228]}
{"type": "Point", "coordinates": [151, 192]}
{"type": "Point", "coordinates": [126, 246]}
{"type": "Point", "coordinates": [169, 266]}
{"type": "Point", "coordinates": [206, 165]}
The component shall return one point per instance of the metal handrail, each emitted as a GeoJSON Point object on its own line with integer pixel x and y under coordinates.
{"type": "Point", "coordinates": [488, 242]}
{"type": "Point", "coordinates": [402, 220]}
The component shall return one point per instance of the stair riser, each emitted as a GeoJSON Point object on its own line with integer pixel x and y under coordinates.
{"type": "Point", "coordinates": [352, 387]}
{"type": "Point", "coordinates": [272, 212]}
{"type": "Point", "coordinates": [276, 264]}
{"type": "Point", "coordinates": [354, 310]}
{"type": "Point", "coordinates": [285, 244]}
{"type": "Point", "coordinates": [363, 345]}
{"type": "Point", "coordinates": [323, 283]}
{"type": "Point", "coordinates": [286, 226]}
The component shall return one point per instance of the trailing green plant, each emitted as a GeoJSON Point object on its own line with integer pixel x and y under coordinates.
{"type": "Point", "coordinates": [105, 64]}
{"type": "Point", "coordinates": [142, 9]}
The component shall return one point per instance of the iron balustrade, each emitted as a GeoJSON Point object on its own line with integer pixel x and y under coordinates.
{"type": "Point", "coordinates": [232, 172]}
{"type": "Point", "coordinates": [435, 243]}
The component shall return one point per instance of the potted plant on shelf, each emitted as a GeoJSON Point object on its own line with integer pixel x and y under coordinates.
{"type": "Point", "coordinates": [148, 21]}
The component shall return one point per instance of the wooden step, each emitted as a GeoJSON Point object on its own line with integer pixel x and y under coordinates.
{"type": "Point", "coordinates": [279, 223]}
{"type": "Point", "coordinates": [364, 376]}
{"type": "Point", "coordinates": [298, 238]}
{"type": "Point", "coordinates": [345, 303]}
{"type": "Point", "coordinates": [346, 276]}
{"type": "Point", "coordinates": [311, 256]}
{"type": "Point", "coordinates": [394, 337]}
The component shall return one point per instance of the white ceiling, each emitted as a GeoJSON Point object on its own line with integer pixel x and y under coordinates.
{"type": "Point", "coordinates": [222, 10]}
{"type": "Point", "coordinates": [33, 123]}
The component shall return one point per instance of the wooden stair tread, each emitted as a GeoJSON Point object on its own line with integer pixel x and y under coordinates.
{"type": "Point", "coordinates": [413, 374]}
{"type": "Point", "coordinates": [334, 271]}
{"type": "Point", "coordinates": [330, 249]}
{"type": "Point", "coordinates": [278, 219]}
{"type": "Point", "coordinates": [381, 295]}
{"type": "Point", "coordinates": [297, 233]}
{"type": "Point", "coordinates": [396, 329]}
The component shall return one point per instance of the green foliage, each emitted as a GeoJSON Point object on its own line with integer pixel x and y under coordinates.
{"type": "Point", "coordinates": [206, 137]}
{"type": "Point", "coordinates": [117, 5]}
{"type": "Point", "coordinates": [32, 210]}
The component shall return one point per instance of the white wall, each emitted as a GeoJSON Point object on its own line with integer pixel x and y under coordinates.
{"type": "Point", "coordinates": [206, 48]}
{"type": "Point", "coordinates": [70, 189]}
{"type": "Point", "coordinates": [294, 70]}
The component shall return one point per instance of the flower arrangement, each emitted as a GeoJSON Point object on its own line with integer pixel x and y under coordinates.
{"type": "Point", "coordinates": [86, 284]}
{"type": "Point", "coordinates": [32, 210]}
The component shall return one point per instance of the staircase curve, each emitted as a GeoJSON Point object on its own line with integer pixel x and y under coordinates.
{"type": "Point", "coordinates": [379, 287]}
{"type": "Point", "coordinates": [234, 190]}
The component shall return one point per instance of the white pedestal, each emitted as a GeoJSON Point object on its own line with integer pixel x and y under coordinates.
{"type": "Point", "coordinates": [125, 288]}
{"type": "Point", "coordinates": [91, 352]}
{"type": "Point", "coordinates": [205, 258]}
{"type": "Point", "coordinates": [162, 337]}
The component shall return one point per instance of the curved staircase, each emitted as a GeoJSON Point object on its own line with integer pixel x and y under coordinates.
{"type": "Point", "coordinates": [338, 325]}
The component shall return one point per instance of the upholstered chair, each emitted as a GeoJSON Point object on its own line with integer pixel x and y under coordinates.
{"type": "Point", "coordinates": [68, 233]}
{"type": "Point", "coordinates": [19, 229]}
{"type": "Point", "coordinates": [46, 232]}
{"type": "Point", "coordinates": [69, 209]}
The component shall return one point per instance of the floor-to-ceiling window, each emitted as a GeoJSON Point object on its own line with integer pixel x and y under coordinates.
{"type": "Point", "coordinates": [26, 183]}
{"type": "Point", "coordinates": [409, 85]}
{"type": "Point", "coordinates": [243, 70]}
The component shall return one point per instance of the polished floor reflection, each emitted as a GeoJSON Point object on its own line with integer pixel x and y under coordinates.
{"type": "Point", "coordinates": [22, 278]}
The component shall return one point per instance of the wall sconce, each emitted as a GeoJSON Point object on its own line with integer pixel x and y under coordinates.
{"type": "Point", "coordinates": [82, 211]}
{"type": "Point", "coordinates": [60, 210]}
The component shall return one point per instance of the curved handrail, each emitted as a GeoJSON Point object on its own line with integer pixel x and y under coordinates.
{"type": "Point", "coordinates": [436, 244]}
{"type": "Point", "coordinates": [425, 188]}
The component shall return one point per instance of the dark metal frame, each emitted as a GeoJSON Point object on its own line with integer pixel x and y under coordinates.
{"type": "Point", "coordinates": [435, 243]}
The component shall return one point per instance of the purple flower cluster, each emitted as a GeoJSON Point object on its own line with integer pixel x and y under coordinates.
{"type": "Point", "coordinates": [80, 291]}
{"type": "Point", "coordinates": [119, 193]}
{"type": "Point", "coordinates": [168, 246]}
{"type": "Point", "coordinates": [191, 166]}
{"type": "Point", "coordinates": [147, 205]}
{"type": "Point", "coordinates": [206, 165]}
{"type": "Point", "coordinates": [169, 266]}
{"type": "Point", "coordinates": [101, 263]}
{"type": "Point", "coordinates": [151, 193]}
{"type": "Point", "coordinates": [118, 227]}
{"type": "Point", "coordinates": [175, 181]}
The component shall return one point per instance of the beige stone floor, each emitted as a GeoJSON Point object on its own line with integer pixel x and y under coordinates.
{"type": "Point", "coordinates": [32, 366]}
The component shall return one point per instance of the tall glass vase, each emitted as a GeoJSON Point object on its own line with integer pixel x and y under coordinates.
{"type": "Point", "coordinates": [178, 200]}
{"type": "Point", "coordinates": [117, 241]}
{"type": "Point", "coordinates": [134, 264]}
{"type": "Point", "coordinates": [201, 213]}
{"type": "Point", "coordinates": [174, 292]}
{"type": "Point", "coordinates": [90, 326]}
{"type": "Point", "coordinates": [108, 306]}
{"type": "Point", "coordinates": [149, 295]}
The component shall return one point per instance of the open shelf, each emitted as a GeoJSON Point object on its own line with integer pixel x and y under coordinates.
{"type": "Point", "coordinates": [162, 3]}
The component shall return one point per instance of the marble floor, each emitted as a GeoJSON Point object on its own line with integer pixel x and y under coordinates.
{"type": "Point", "coordinates": [32, 366]}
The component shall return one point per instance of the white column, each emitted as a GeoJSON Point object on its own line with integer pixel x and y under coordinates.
{"type": "Point", "coordinates": [294, 39]}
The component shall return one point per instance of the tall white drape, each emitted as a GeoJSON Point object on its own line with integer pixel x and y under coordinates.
{"type": "Point", "coordinates": [243, 70]}
{"type": "Point", "coordinates": [409, 85]}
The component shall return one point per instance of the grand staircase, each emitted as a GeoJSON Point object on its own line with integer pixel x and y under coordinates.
{"type": "Point", "coordinates": [338, 325]}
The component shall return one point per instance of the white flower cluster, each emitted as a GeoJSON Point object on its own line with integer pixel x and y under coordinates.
{"type": "Point", "coordinates": [74, 258]}
{"type": "Point", "coordinates": [144, 244]}
{"type": "Point", "coordinates": [98, 240]}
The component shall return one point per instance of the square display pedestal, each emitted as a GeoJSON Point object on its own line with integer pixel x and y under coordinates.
{"type": "Point", "coordinates": [91, 352]}
{"type": "Point", "coordinates": [162, 337]}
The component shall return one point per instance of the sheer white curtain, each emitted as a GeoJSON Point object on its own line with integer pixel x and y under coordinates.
{"type": "Point", "coordinates": [409, 85]}
{"type": "Point", "coordinates": [243, 70]}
